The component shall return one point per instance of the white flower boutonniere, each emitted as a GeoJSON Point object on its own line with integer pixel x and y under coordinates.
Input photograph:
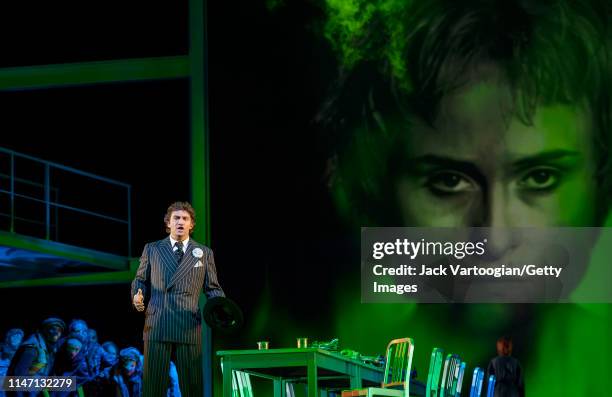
{"type": "Point", "coordinates": [198, 253]}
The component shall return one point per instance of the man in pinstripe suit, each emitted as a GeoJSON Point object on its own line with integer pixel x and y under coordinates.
{"type": "Point", "coordinates": [171, 274]}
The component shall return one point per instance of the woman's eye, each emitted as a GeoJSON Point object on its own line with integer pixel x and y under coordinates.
{"type": "Point", "coordinates": [540, 179]}
{"type": "Point", "coordinates": [450, 182]}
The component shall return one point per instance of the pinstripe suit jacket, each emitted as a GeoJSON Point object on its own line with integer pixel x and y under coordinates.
{"type": "Point", "coordinates": [172, 290]}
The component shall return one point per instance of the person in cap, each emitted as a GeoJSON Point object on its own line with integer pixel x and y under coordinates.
{"type": "Point", "coordinates": [72, 356]}
{"type": "Point", "coordinates": [110, 355]}
{"type": "Point", "coordinates": [124, 379]}
{"type": "Point", "coordinates": [94, 352]}
{"type": "Point", "coordinates": [12, 340]}
{"type": "Point", "coordinates": [36, 354]}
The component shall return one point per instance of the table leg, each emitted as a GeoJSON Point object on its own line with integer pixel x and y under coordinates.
{"type": "Point", "coordinates": [355, 378]}
{"type": "Point", "coordinates": [280, 388]}
{"type": "Point", "coordinates": [312, 378]}
{"type": "Point", "coordinates": [227, 377]}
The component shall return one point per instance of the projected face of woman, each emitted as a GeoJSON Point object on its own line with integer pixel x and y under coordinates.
{"type": "Point", "coordinates": [479, 165]}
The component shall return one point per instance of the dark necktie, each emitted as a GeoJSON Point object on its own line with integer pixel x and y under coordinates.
{"type": "Point", "coordinates": [178, 252]}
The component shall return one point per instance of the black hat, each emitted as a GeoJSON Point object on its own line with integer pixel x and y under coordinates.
{"type": "Point", "coordinates": [53, 321]}
{"type": "Point", "coordinates": [14, 331]}
{"type": "Point", "coordinates": [130, 353]}
{"type": "Point", "coordinates": [222, 314]}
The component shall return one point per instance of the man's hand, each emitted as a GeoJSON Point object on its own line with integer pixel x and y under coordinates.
{"type": "Point", "coordinates": [139, 301]}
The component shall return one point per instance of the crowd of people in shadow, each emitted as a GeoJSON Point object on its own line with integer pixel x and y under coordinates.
{"type": "Point", "coordinates": [55, 349]}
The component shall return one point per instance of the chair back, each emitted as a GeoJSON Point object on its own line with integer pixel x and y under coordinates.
{"type": "Point", "coordinates": [435, 369]}
{"type": "Point", "coordinates": [241, 384]}
{"type": "Point", "coordinates": [491, 386]}
{"type": "Point", "coordinates": [477, 379]}
{"type": "Point", "coordinates": [460, 379]}
{"type": "Point", "coordinates": [398, 364]}
{"type": "Point", "coordinates": [450, 375]}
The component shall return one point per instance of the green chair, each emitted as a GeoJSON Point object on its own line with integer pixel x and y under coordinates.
{"type": "Point", "coordinates": [477, 379]}
{"type": "Point", "coordinates": [491, 386]}
{"type": "Point", "coordinates": [435, 369]}
{"type": "Point", "coordinates": [241, 385]}
{"type": "Point", "coordinates": [460, 379]}
{"type": "Point", "coordinates": [396, 380]}
{"type": "Point", "coordinates": [450, 376]}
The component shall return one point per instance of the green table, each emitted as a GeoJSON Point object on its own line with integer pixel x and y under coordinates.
{"type": "Point", "coordinates": [320, 369]}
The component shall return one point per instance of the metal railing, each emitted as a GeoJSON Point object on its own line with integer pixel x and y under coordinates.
{"type": "Point", "coordinates": [50, 197]}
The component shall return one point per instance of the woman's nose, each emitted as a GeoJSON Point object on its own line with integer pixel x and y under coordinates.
{"type": "Point", "coordinates": [497, 222]}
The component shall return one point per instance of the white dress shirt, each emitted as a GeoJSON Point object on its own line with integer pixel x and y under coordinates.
{"type": "Point", "coordinates": [173, 242]}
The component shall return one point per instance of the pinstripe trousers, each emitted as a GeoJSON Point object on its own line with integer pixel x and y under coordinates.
{"type": "Point", "coordinates": [157, 367]}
